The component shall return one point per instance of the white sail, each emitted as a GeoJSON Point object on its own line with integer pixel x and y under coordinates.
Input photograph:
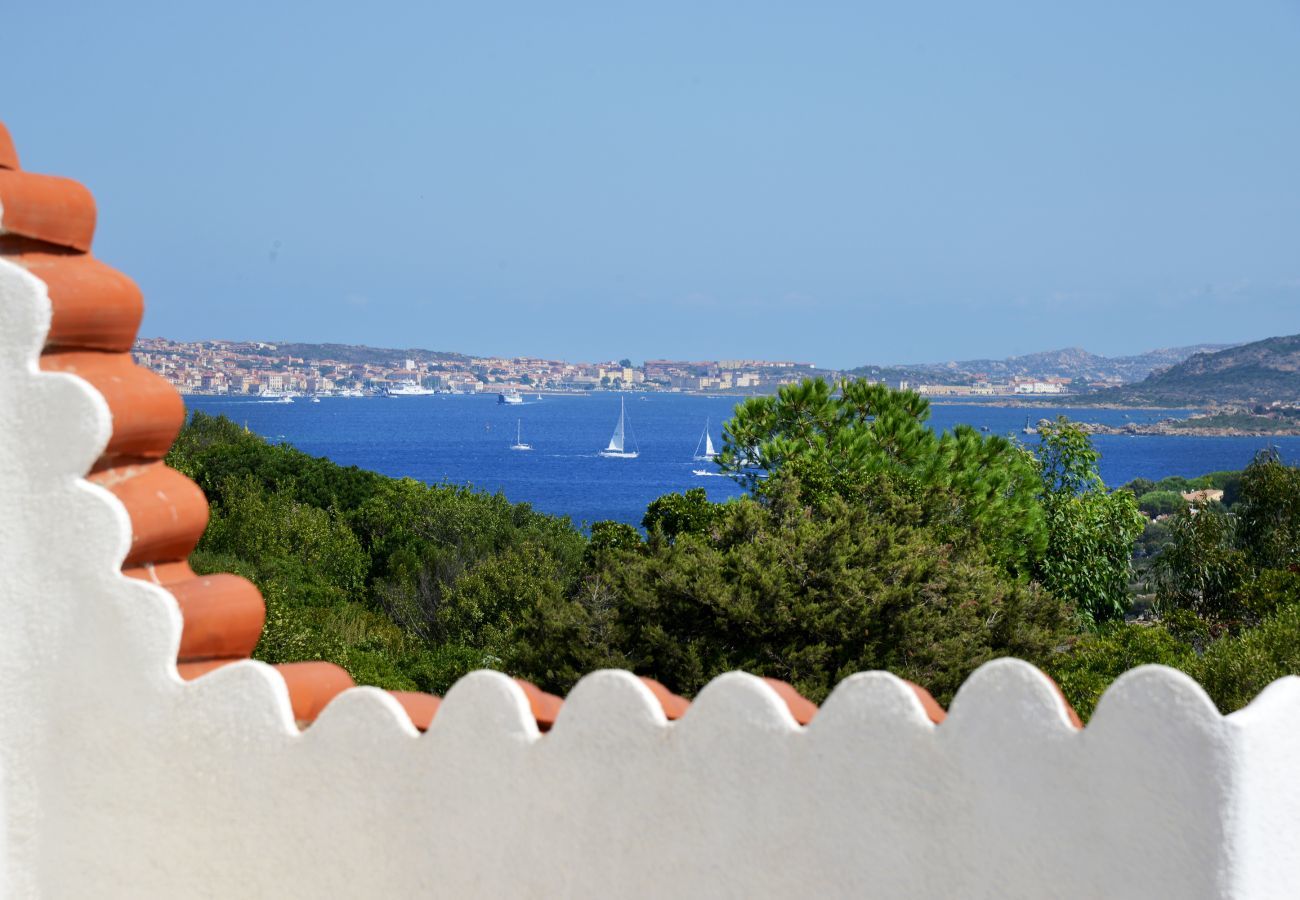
{"type": "Point", "coordinates": [519, 437]}
{"type": "Point", "coordinates": [616, 442]}
{"type": "Point", "coordinates": [706, 440]}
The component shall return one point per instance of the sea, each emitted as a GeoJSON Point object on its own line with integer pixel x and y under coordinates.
{"type": "Point", "coordinates": [465, 440]}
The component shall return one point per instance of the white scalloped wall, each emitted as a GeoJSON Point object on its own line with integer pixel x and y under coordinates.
{"type": "Point", "coordinates": [119, 779]}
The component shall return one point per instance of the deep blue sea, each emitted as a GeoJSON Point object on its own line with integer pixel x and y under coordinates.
{"type": "Point", "coordinates": [466, 440]}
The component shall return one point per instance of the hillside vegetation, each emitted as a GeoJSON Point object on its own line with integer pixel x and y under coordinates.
{"type": "Point", "coordinates": [1261, 372]}
{"type": "Point", "coordinates": [1072, 362]}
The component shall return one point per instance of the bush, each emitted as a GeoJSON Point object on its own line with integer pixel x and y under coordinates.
{"type": "Point", "coordinates": [1087, 668]}
{"type": "Point", "coordinates": [805, 593]}
{"type": "Point", "coordinates": [1161, 503]}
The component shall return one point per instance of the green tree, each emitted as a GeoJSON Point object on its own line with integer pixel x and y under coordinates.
{"type": "Point", "coordinates": [688, 513]}
{"type": "Point", "coordinates": [1090, 532]}
{"type": "Point", "coordinates": [972, 489]}
{"type": "Point", "coordinates": [1269, 512]}
{"type": "Point", "coordinates": [1201, 569]}
{"type": "Point", "coordinates": [804, 591]}
{"type": "Point", "coordinates": [1161, 503]}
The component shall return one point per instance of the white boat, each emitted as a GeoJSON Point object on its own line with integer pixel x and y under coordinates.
{"type": "Point", "coordinates": [706, 439]}
{"type": "Point", "coordinates": [509, 398]}
{"type": "Point", "coordinates": [315, 399]}
{"type": "Point", "coordinates": [1028, 429]}
{"type": "Point", "coordinates": [617, 448]}
{"type": "Point", "coordinates": [519, 437]}
{"type": "Point", "coordinates": [409, 389]}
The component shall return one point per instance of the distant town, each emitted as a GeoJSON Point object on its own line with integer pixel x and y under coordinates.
{"type": "Point", "coordinates": [288, 369]}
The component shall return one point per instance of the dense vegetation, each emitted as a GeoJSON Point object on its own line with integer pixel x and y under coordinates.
{"type": "Point", "coordinates": [865, 541]}
{"type": "Point", "coordinates": [1261, 371]}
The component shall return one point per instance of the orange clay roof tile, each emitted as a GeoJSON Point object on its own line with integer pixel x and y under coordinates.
{"type": "Point", "coordinates": [222, 614]}
{"type": "Point", "coordinates": [802, 709]}
{"type": "Point", "coordinates": [933, 710]}
{"type": "Point", "coordinates": [55, 210]}
{"type": "Point", "coordinates": [95, 307]}
{"type": "Point", "coordinates": [420, 707]}
{"type": "Point", "coordinates": [8, 155]}
{"type": "Point", "coordinates": [147, 411]}
{"type": "Point", "coordinates": [545, 707]}
{"type": "Point", "coordinates": [674, 707]}
{"type": "Point", "coordinates": [168, 511]}
{"type": "Point", "coordinates": [312, 685]}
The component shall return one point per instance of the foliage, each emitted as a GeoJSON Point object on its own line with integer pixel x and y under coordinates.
{"type": "Point", "coordinates": [1096, 659]}
{"type": "Point", "coordinates": [971, 489]}
{"type": "Point", "coordinates": [688, 513]}
{"type": "Point", "coordinates": [1161, 503]}
{"type": "Point", "coordinates": [1232, 568]}
{"type": "Point", "coordinates": [1269, 513]}
{"type": "Point", "coordinates": [802, 590]}
{"type": "Point", "coordinates": [1090, 532]}
{"type": "Point", "coordinates": [362, 570]}
{"type": "Point", "coordinates": [1201, 569]}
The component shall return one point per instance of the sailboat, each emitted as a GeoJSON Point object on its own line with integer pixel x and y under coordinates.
{"type": "Point", "coordinates": [1028, 429]}
{"type": "Point", "coordinates": [617, 448]}
{"type": "Point", "coordinates": [707, 440]}
{"type": "Point", "coordinates": [519, 437]}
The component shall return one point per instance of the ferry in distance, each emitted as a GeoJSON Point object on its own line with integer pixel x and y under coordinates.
{"type": "Point", "coordinates": [509, 398]}
{"type": "Point", "coordinates": [409, 389]}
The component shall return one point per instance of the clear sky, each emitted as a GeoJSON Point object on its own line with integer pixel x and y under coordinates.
{"type": "Point", "coordinates": [838, 183]}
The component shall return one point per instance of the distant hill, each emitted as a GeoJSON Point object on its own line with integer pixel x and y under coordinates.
{"type": "Point", "coordinates": [1260, 372]}
{"type": "Point", "coordinates": [356, 354]}
{"type": "Point", "coordinates": [1074, 363]}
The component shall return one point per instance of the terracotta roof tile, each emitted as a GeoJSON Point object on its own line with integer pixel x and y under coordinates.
{"type": "Point", "coordinates": [8, 155]}
{"type": "Point", "coordinates": [802, 709]}
{"type": "Point", "coordinates": [1069, 710]}
{"type": "Point", "coordinates": [420, 707]}
{"type": "Point", "coordinates": [933, 710]}
{"type": "Point", "coordinates": [168, 511]}
{"type": "Point", "coordinates": [223, 616]}
{"type": "Point", "coordinates": [95, 306]}
{"type": "Point", "coordinates": [312, 685]}
{"type": "Point", "coordinates": [56, 210]}
{"type": "Point", "coordinates": [147, 411]}
{"type": "Point", "coordinates": [674, 707]}
{"type": "Point", "coordinates": [545, 707]}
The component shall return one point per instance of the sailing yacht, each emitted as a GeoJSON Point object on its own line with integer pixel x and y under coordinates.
{"type": "Point", "coordinates": [519, 437]}
{"type": "Point", "coordinates": [617, 448]}
{"type": "Point", "coordinates": [707, 440]}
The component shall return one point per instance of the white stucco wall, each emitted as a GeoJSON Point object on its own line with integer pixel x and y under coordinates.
{"type": "Point", "coordinates": [118, 779]}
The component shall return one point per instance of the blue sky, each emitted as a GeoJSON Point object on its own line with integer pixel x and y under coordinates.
{"type": "Point", "coordinates": [839, 183]}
